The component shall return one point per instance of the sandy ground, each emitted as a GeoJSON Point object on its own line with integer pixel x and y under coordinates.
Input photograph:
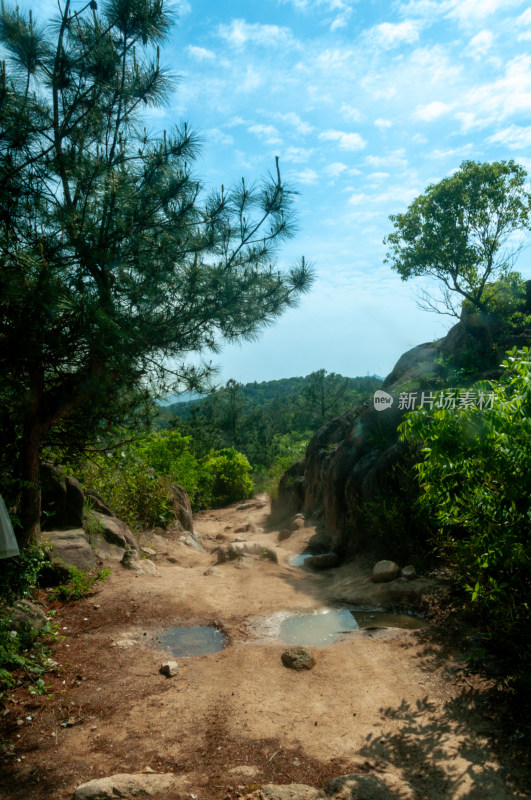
{"type": "Point", "coordinates": [395, 702]}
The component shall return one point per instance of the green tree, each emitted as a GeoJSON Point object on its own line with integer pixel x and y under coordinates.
{"type": "Point", "coordinates": [461, 231]}
{"type": "Point", "coordinates": [323, 397]}
{"type": "Point", "coordinates": [115, 263]}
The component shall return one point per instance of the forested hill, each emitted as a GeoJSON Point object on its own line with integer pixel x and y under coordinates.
{"type": "Point", "coordinates": [268, 419]}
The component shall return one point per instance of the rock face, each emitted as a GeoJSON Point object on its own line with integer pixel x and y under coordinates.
{"type": "Point", "coordinates": [71, 549]}
{"type": "Point", "coordinates": [109, 536]}
{"type": "Point", "coordinates": [354, 463]}
{"type": "Point", "coordinates": [125, 786]}
{"type": "Point", "coordinates": [183, 509]}
{"type": "Point", "coordinates": [298, 658]}
{"type": "Point", "coordinates": [385, 571]}
{"type": "Point", "coordinates": [62, 499]}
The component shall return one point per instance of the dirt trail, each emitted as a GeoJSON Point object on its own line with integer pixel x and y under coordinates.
{"type": "Point", "coordinates": [391, 701]}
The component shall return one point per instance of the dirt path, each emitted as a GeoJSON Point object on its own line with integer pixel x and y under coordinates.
{"type": "Point", "coordinates": [391, 702]}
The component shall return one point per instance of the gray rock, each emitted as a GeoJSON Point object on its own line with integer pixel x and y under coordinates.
{"type": "Point", "coordinates": [284, 534]}
{"type": "Point", "coordinates": [297, 524]}
{"type": "Point", "coordinates": [190, 540]}
{"type": "Point", "coordinates": [298, 657]}
{"type": "Point", "coordinates": [26, 614]}
{"type": "Point", "coordinates": [132, 561]}
{"type": "Point", "coordinates": [212, 571]}
{"type": "Point", "coordinates": [112, 531]}
{"type": "Point", "coordinates": [71, 549]}
{"type": "Point", "coordinates": [62, 499]}
{"type": "Point", "coordinates": [125, 786]}
{"type": "Point", "coordinates": [169, 668]}
{"type": "Point", "coordinates": [385, 571]}
{"type": "Point", "coordinates": [323, 561]}
{"type": "Point", "coordinates": [292, 791]}
{"type": "Point", "coordinates": [95, 502]}
{"type": "Point", "coordinates": [148, 551]}
{"type": "Point", "coordinates": [182, 507]}
{"type": "Point", "coordinates": [409, 572]}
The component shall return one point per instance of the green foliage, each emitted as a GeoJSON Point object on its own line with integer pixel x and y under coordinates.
{"type": "Point", "coordinates": [170, 454]}
{"type": "Point", "coordinates": [18, 576]}
{"type": "Point", "coordinates": [79, 584]}
{"type": "Point", "coordinates": [461, 231]}
{"type": "Point", "coordinates": [24, 655]}
{"type": "Point", "coordinates": [291, 447]}
{"type": "Point", "coordinates": [110, 246]}
{"type": "Point", "coordinates": [225, 477]}
{"type": "Point", "coordinates": [475, 477]}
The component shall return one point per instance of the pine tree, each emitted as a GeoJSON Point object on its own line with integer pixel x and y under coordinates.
{"type": "Point", "coordinates": [115, 262]}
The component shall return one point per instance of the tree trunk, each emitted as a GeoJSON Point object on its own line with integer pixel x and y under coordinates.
{"type": "Point", "coordinates": [30, 496]}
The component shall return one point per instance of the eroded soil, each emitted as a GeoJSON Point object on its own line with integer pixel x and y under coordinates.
{"type": "Point", "coordinates": [390, 701]}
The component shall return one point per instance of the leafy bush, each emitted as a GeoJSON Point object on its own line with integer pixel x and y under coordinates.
{"type": "Point", "coordinates": [225, 477]}
{"type": "Point", "coordinates": [78, 585]}
{"type": "Point", "coordinates": [18, 576]}
{"type": "Point", "coordinates": [171, 454]}
{"type": "Point", "coordinates": [475, 477]}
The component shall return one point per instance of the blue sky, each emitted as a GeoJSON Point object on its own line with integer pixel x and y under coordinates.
{"type": "Point", "coordinates": [366, 102]}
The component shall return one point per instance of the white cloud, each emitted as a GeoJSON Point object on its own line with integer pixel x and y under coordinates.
{"type": "Point", "coordinates": [503, 98]}
{"type": "Point", "coordinates": [293, 119]}
{"type": "Point", "coordinates": [480, 44]}
{"type": "Point", "coordinates": [515, 137]}
{"type": "Point", "coordinates": [335, 169]}
{"type": "Point", "coordinates": [396, 158]}
{"type": "Point", "coordinates": [383, 124]}
{"type": "Point", "coordinates": [350, 112]}
{"type": "Point", "coordinates": [251, 80]}
{"type": "Point", "coordinates": [346, 141]}
{"type": "Point", "coordinates": [240, 33]}
{"type": "Point", "coordinates": [391, 34]}
{"type": "Point", "coordinates": [466, 12]}
{"type": "Point", "coordinates": [267, 133]}
{"type": "Point", "coordinates": [200, 53]}
{"type": "Point", "coordinates": [219, 136]}
{"type": "Point", "coordinates": [378, 176]}
{"type": "Point", "coordinates": [297, 155]}
{"type": "Point", "coordinates": [432, 111]}
{"type": "Point", "coordinates": [307, 176]}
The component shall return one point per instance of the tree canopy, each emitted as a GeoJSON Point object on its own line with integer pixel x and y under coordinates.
{"type": "Point", "coordinates": [463, 231]}
{"type": "Point", "coordinates": [116, 263]}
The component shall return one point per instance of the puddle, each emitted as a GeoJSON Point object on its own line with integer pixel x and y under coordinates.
{"type": "Point", "coordinates": [323, 627]}
{"type": "Point", "coordinates": [299, 559]}
{"type": "Point", "coordinates": [198, 641]}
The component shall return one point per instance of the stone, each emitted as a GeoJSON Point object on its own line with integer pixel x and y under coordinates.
{"type": "Point", "coordinates": [110, 535]}
{"type": "Point", "coordinates": [323, 561]}
{"type": "Point", "coordinates": [173, 560]}
{"type": "Point", "coordinates": [132, 561]}
{"type": "Point", "coordinates": [409, 572]}
{"type": "Point", "coordinates": [292, 791]}
{"type": "Point", "coordinates": [70, 548]}
{"type": "Point", "coordinates": [385, 571]}
{"type": "Point", "coordinates": [125, 786]}
{"type": "Point", "coordinates": [297, 524]}
{"type": "Point", "coordinates": [298, 657]}
{"type": "Point", "coordinates": [169, 668]}
{"type": "Point", "coordinates": [189, 540]}
{"type": "Point", "coordinates": [244, 506]}
{"type": "Point", "coordinates": [284, 534]}
{"type": "Point", "coordinates": [212, 571]}
{"type": "Point", "coordinates": [148, 551]}
{"type": "Point", "coordinates": [25, 614]}
{"type": "Point", "coordinates": [182, 507]}
{"type": "Point", "coordinates": [252, 548]}
{"type": "Point", "coordinates": [62, 499]}
{"type": "Point", "coordinates": [95, 502]}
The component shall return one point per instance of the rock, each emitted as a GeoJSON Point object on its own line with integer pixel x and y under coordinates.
{"type": "Point", "coordinates": [297, 524]}
{"type": "Point", "coordinates": [323, 561]}
{"type": "Point", "coordinates": [283, 535]}
{"type": "Point", "coordinates": [244, 770]}
{"type": "Point", "coordinates": [212, 571]}
{"type": "Point", "coordinates": [62, 499]}
{"type": "Point", "coordinates": [292, 791]}
{"type": "Point", "coordinates": [182, 507]}
{"type": "Point", "coordinates": [109, 536]}
{"type": "Point", "coordinates": [148, 551]}
{"type": "Point", "coordinates": [220, 537]}
{"type": "Point", "coordinates": [385, 571]}
{"type": "Point", "coordinates": [368, 787]}
{"type": "Point", "coordinates": [173, 560]}
{"type": "Point", "coordinates": [132, 561]}
{"type": "Point", "coordinates": [70, 549]}
{"type": "Point", "coordinates": [189, 540]}
{"type": "Point", "coordinates": [298, 657]}
{"type": "Point", "coordinates": [125, 786]}
{"type": "Point", "coordinates": [299, 516]}
{"type": "Point", "coordinates": [253, 548]}
{"type": "Point", "coordinates": [95, 502]}
{"type": "Point", "coordinates": [25, 614]}
{"type": "Point", "coordinates": [409, 572]}
{"type": "Point", "coordinates": [244, 506]}
{"type": "Point", "coordinates": [169, 668]}
{"type": "Point", "coordinates": [320, 542]}
{"type": "Point", "coordinates": [246, 528]}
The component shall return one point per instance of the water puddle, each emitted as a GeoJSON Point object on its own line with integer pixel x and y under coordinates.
{"type": "Point", "coordinates": [299, 559]}
{"type": "Point", "coordinates": [197, 641]}
{"type": "Point", "coordinates": [323, 627]}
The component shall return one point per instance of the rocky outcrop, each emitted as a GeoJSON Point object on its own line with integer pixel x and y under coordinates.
{"type": "Point", "coordinates": [355, 465]}
{"type": "Point", "coordinates": [70, 548]}
{"type": "Point", "coordinates": [62, 499]}
{"type": "Point", "coordinates": [124, 785]}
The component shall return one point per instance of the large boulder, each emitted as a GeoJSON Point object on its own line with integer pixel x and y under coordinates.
{"type": "Point", "coordinates": [182, 507]}
{"type": "Point", "coordinates": [125, 786]}
{"type": "Point", "coordinates": [62, 499]}
{"type": "Point", "coordinates": [109, 536]}
{"type": "Point", "coordinates": [70, 549]}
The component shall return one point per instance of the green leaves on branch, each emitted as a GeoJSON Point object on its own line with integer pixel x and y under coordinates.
{"type": "Point", "coordinates": [475, 477]}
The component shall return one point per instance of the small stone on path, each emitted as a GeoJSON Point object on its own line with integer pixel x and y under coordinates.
{"type": "Point", "coordinates": [298, 657]}
{"type": "Point", "coordinates": [125, 786]}
{"type": "Point", "coordinates": [385, 571]}
{"type": "Point", "coordinates": [170, 669]}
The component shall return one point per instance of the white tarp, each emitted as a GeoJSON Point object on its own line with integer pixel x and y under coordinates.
{"type": "Point", "coordinates": [8, 543]}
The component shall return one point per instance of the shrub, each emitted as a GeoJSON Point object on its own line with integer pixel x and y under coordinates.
{"type": "Point", "coordinates": [225, 477]}
{"type": "Point", "coordinates": [475, 477]}
{"type": "Point", "coordinates": [78, 585]}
